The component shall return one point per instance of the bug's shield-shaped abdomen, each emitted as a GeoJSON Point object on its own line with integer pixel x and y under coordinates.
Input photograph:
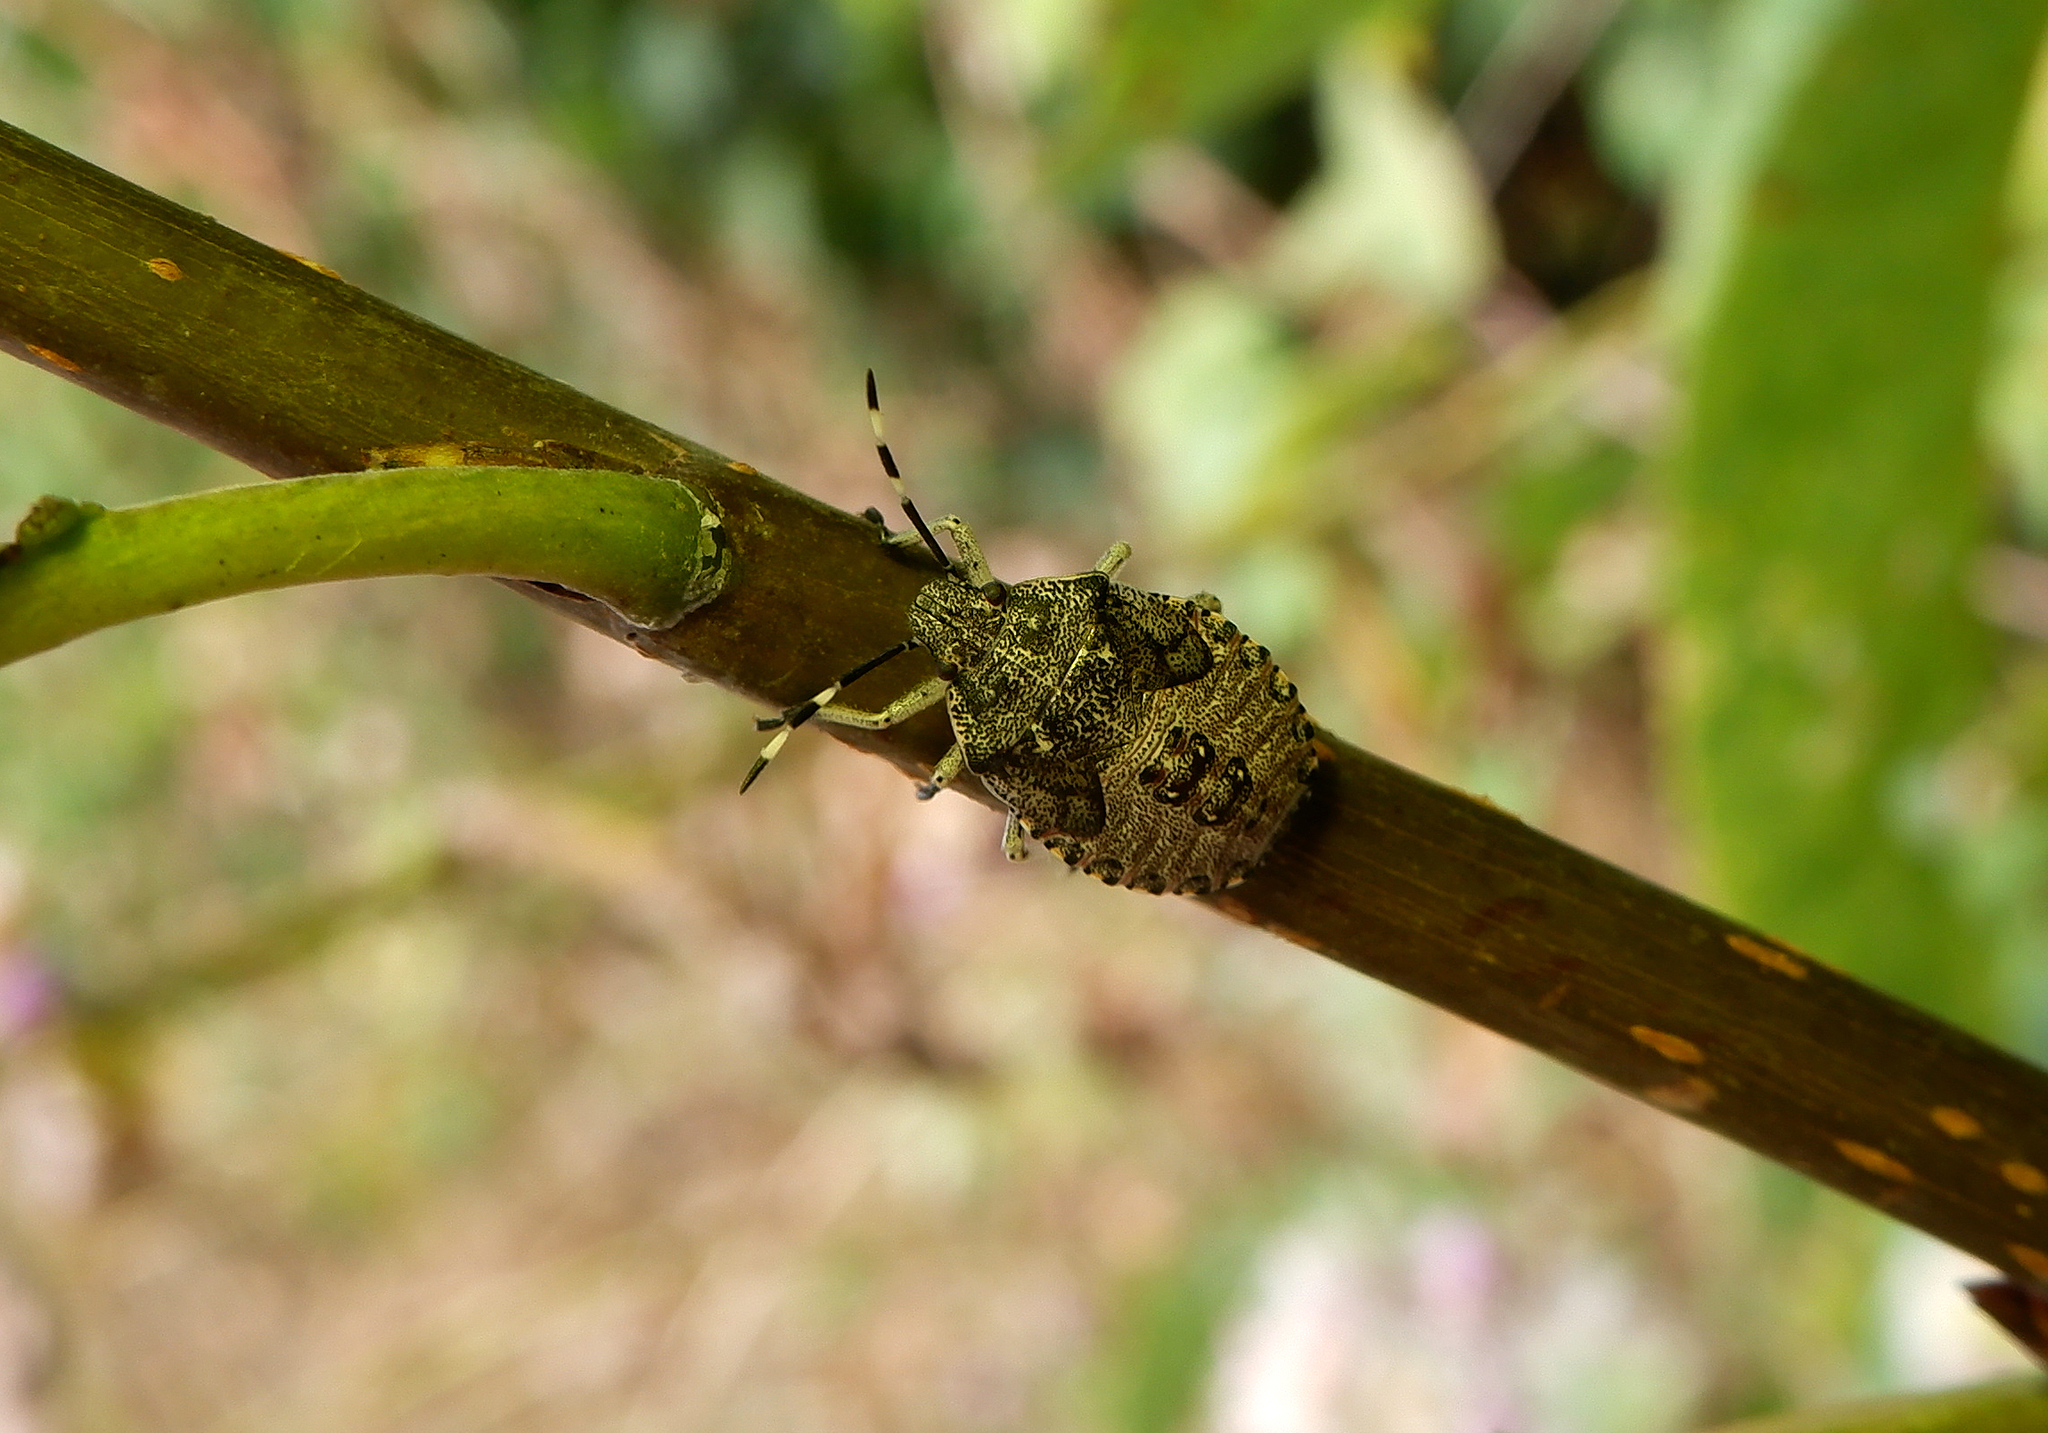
{"type": "Point", "coordinates": [1052, 795]}
{"type": "Point", "coordinates": [1210, 771]}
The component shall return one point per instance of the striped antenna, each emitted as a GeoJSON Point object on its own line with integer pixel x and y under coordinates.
{"type": "Point", "coordinates": [767, 755]}
{"type": "Point", "coordinates": [896, 478]}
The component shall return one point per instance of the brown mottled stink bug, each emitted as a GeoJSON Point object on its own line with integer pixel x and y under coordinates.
{"type": "Point", "coordinates": [1141, 737]}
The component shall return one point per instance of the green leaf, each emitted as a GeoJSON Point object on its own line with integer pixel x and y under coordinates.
{"type": "Point", "coordinates": [1829, 497]}
{"type": "Point", "coordinates": [1188, 67]}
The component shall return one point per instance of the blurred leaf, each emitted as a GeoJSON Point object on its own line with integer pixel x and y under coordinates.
{"type": "Point", "coordinates": [2017, 410]}
{"type": "Point", "coordinates": [43, 57]}
{"type": "Point", "coordinates": [1829, 498]}
{"type": "Point", "coordinates": [1204, 396]}
{"type": "Point", "coordinates": [1648, 89]}
{"type": "Point", "coordinates": [1542, 499]}
{"type": "Point", "coordinates": [1156, 1364]}
{"type": "Point", "coordinates": [1398, 203]}
{"type": "Point", "coordinates": [1234, 423]}
{"type": "Point", "coordinates": [2013, 1407]}
{"type": "Point", "coordinates": [1169, 67]}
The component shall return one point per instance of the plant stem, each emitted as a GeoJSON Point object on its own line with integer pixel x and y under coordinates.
{"type": "Point", "coordinates": [1414, 883]}
{"type": "Point", "coordinates": [629, 541]}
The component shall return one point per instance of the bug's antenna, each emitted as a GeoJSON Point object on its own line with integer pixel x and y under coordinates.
{"type": "Point", "coordinates": [896, 478]}
{"type": "Point", "coordinates": [793, 717]}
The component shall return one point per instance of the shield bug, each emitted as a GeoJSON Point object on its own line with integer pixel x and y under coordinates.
{"type": "Point", "coordinates": [1142, 738]}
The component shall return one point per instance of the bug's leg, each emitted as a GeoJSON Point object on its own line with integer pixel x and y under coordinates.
{"type": "Point", "coordinates": [1119, 553]}
{"type": "Point", "coordinates": [949, 767]}
{"type": "Point", "coordinates": [972, 565]}
{"type": "Point", "coordinates": [929, 692]}
{"type": "Point", "coordinates": [802, 712]}
{"type": "Point", "coordinates": [1013, 839]}
{"type": "Point", "coordinates": [793, 717]}
{"type": "Point", "coordinates": [926, 693]}
{"type": "Point", "coordinates": [909, 537]}
{"type": "Point", "coordinates": [1207, 601]}
{"type": "Point", "coordinates": [924, 534]}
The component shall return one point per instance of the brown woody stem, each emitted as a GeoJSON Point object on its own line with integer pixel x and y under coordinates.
{"type": "Point", "coordinates": [294, 371]}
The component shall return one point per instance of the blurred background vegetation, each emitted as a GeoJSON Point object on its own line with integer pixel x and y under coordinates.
{"type": "Point", "coordinates": [1633, 410]}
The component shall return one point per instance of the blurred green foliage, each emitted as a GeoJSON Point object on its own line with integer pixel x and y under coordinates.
{"type": "Point", "coordinates": [1831, 500]}
{"type": "Point", "coordinates": [1165, 70]}
{"type": "Point", "coordinates": [405, 980]}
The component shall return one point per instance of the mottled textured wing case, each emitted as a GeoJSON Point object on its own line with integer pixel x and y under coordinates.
{"type": "Point", "coordinates": [1165, 754]}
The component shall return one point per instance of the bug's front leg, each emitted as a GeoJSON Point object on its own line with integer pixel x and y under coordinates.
{"type": "Point", "coordinates": [973, 566]}
{"type": "Point", "coordinates": [1013, 838]}
{"type": "Point", "coordinates": [1119, 553]}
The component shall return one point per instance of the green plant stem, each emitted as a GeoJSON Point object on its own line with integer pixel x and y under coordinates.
{"type": "Point", "coordinates": [632, 542]}
{"type": "Point", "coordinates": [2016, 1406]}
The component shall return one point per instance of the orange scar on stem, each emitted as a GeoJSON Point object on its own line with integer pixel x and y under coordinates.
{"type": "Point", "coordinates": [748, 468]}
{"type": "Point", "coordinates": [1687, 1096]}
{"type": "Point", "coordinates": [1955, 1123]}
{"type": "Point", "coordinates": [2032, 1260]}
{"type": "Point", "coordinates": [164, 269]}
{"type": "Point", "coordinates": [1768, 956]}
{"type": "Point", "coordinates": [314, 264]}
{"type": "Point", "coordinates": [2024, 1177]}
{"type": "Point", "coordinates": [1671, 1047]}
{"type": "Point", "coordinates": [1874, 1160]}
{"type": "Point", "coordinates": [50, 355]}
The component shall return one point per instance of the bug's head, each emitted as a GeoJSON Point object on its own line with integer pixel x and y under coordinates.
{"type": "Point", "coordinates": [954, 621]}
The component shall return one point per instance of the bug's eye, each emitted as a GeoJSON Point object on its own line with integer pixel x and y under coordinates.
{"type": "Point", "coordinates": [995, 592]}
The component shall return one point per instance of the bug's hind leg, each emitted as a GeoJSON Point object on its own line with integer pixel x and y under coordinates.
{"type": "Point", "coordinates": [1119, 553]}
{"type": "Point", "coordinates": [949, 766]}
{"type": "Point", "coordinates": [1013, 839]}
